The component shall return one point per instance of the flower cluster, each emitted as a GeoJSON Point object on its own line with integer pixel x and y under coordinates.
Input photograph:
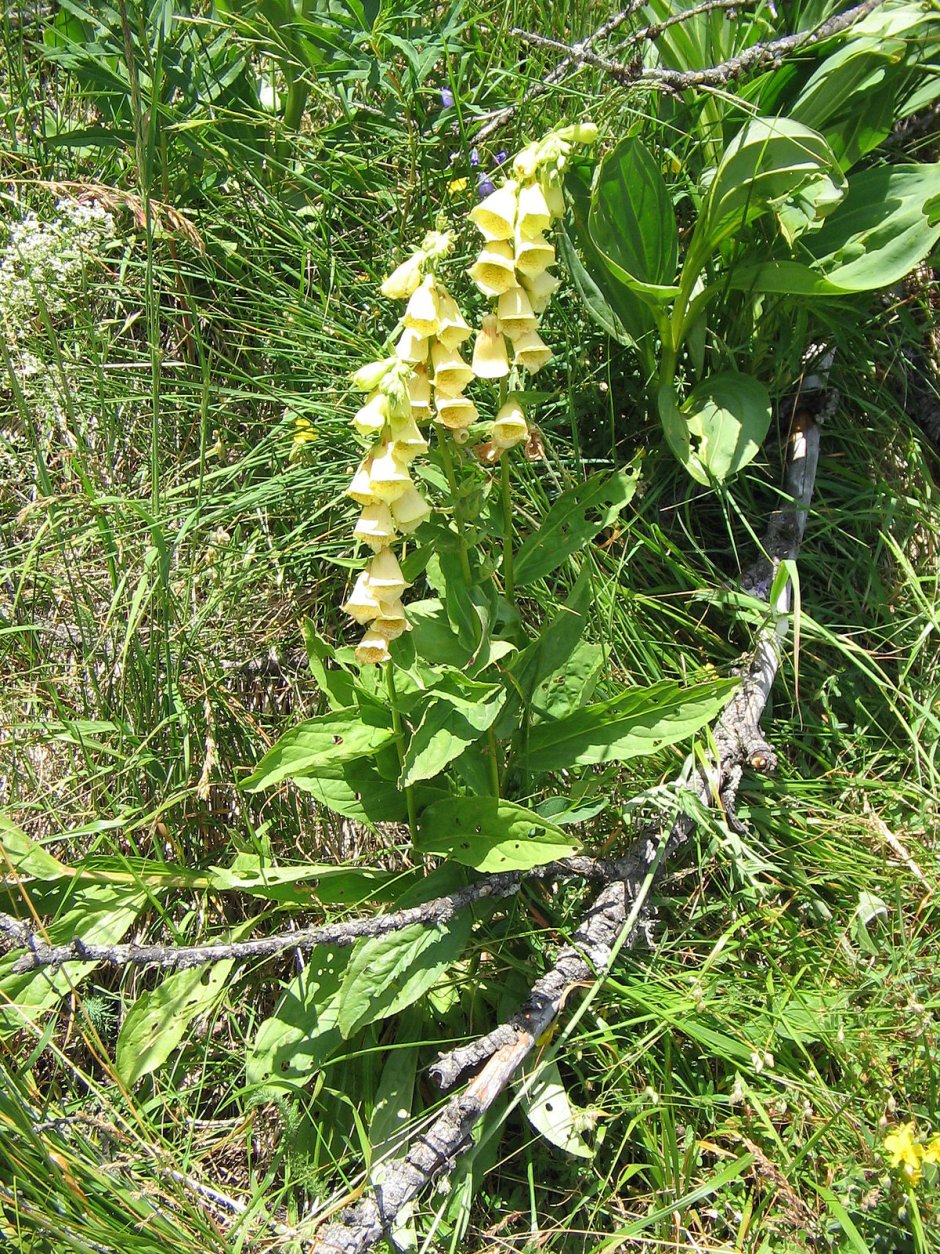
{"type": "Point", "coordinates": [514, 269]}
{"type": "Point", "coordinates": [906, 1151]}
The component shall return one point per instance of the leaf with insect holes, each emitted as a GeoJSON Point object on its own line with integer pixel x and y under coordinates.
{"type": "Point", "coordinates": [491, 835]}
{"type": "Point", "coordinates": [322, 746]}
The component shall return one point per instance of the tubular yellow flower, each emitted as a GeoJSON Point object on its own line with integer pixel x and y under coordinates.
{"type": "Point", "coordinates": [412, 347]}
{"type": "Point", "coordinates": [407, 440]}
{"type": "Point", "coordinates": [456, 413]}
{"type": "Point", "coordinates": [368, 378]}
{"type": "Point", "coordinates": [370, 420]}
{"type": "Point", "coordinates": [392, 622]}
{"type": "Point", "coordinates": [531, 351]}
{"type": "Point", "coordinates": [534, 254]}
{"type": "Point", "coordinates": [363, 605]}
{"type": "Point", "coordinates": [516, 315]}
{"type": "Point", "coordinates": [540, 288]}
{"type": "Point", "coordinates": [376, 526]}
{"type": "Point", "coordinates": [535, 215]}
{"type": "Point", "coordinates": [388, 474]}
{"type": "Point", "coordinates": [554, 197]}
{"type": "Point", "coordinates": [451, 372]}
{"type": "Point", "coordinates": [423, 312]}
{"type": "Point", "coordinates": [410, 510]}
{"type": "Point", "coordinates": [360, 488]}
{"type": "Point", "coordinates": [372, 649]}
{"type": "Point", "coordinates": [495, 217]}
{"type": "Point", "coordinates": [490, 360]}
{"type": "Point", "coordinates": [494, 271]}
{"type": "Point", "coordinates": [419, 394]}
{"type": "Point", "coordinates": [454, 328]}
{"type": "Point", "coordinates": [510, 427]}
{"type": "Point", "coordinates": [386, 581]}
{"type": "Point", "coordinates": [404, 279]}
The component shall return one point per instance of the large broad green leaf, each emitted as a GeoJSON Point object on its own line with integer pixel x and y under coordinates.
{"type": "Point", "coordinates": [675, 426]}
{"type": "Point", "coordinates": [572, 520]}
{"type": "Point", "coordinates": [632, 223]}
{"type": "Point", "coordinates": [638, 722]}
{"type": "Point", "coordinates": [772, 164]}
{"type": "Point", "coordinates": [367, 790]}
{"type": "Point", "coordinates": [729, 415]}
{"type": "Point", "coordinates": [320, 747]}
{"type": "Point", "coordinates": [888, 223]}
{"type": "Point", "coordinates": [159, 1020]}
{"type": "Point", "coordinates": [612, 305]}
{"type": "Point", "coordinates": [557, 640]}
{"type": "Point", "coordinates": [491, 835]}
{"type": "Point", "coordinates": [434, 639]}
{"type": "Point", "coordinates": [572, 687]}
{"type": "Point", "coordinates": [545, 1100]}
{"type": "Point", "coordinates": [388, 973]}
{"type": "Point", "coordinates": [25, 858]}
{"type": "Point", "coordinates": [302, 1033]}
{"type": "Point", "coordinates": [336, 683]}
{"type": "Point", "coordinates": [459, 710]}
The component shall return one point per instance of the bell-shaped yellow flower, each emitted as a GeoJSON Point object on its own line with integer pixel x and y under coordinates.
{"type": "Point", "coordinates": [490, 360]}
{"type": "Point", "coordinates": [531, 351]}
{"type": "Point", "coordinates": [534, 254]}
{"type": "Point", "coordinates": [494, 270]}
{"type": "Point", "coordinates": [410, 510]}
{"type": "Point", "coordinates": [388, 473]}
{"type": "Point", "coordinates": [451, 372]}
{"type": "Point", "coordinates": [419, 394]}
{"type": "Point", "coordinates": [495, 217]}
{"type": "Point", "coordinates": [372, 649]}
{"type": "Point", "coordinates": [412, 347]}
{"type": "Point", "coordinates": [456, 413]}
{"type": "Point", "coordinates": [423, 313]}
{"type": "Point", "coordinates": [404, 279]}
{"type": "Point", "coordinates": [392, 622]}
{"type": "Point", "coordinates": [385, 578]}
{"type": "Point", "coordinates": [540, 288]}
{"type": "Point", "coordinates": [370, 420]}
{"type": "Point", "coordinates": [516, 315]}
{"type": "Point", "coordinates": [554, 196]}
{"type": "Point", "coordinates": [407, 440]}
{"type": "Point", "coordinates": [376, 526]}
{"type": "Point", "coordinates": [510, 427]}
{"type": "Point", "coordinates": [367, 378]}
{"type": "Point", "coordinates": [454, 328]}
{"type": "Point", "coordinates": [363, 605]}
{"type": "Point", "coordinates": [534, 215]}
{"type": "Point", "coordinates": [360, 487]}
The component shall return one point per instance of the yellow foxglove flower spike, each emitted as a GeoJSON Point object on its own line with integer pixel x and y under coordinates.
{"type": "Point", "coordinates": [376, 526]}
{"type": "Point", "coordinates": [451, 372]}
{"type": "Point", "coordinates": [540, 288]}
{"type": "Point", "coordinates": [534, 255]}
{"type": "Point", "coordinates": [535, 215]}
{"type": "Point", "coordinates": [412, 347]}
{"type": "Point", "coordinates": [363, 605]}
{"type": "Point", "coordinates": [494, 270]}
{"type": "Point", "coordinates": [404, 279]}
{"type": "Point", "coordinates": [423, 313]}
{"type": "Point", "coordinates": [407, 440]}
{"type": "Point", "coordinates": [388, 473]}
{"type": "Point", "coordinates": [490, 360]}
{"type": "Point", "coordinates": [360, 487]}
{"type": "Point", "coordinates": [516, 315]}
{"type": "Point", "coordinates": [372, 649]}
{"type": "Point", "coordinates": [454, 328]}
{"type": "Point", "coordinates": [410, 510]}
{"type": "Point", "coordinates": [531, 352]}
{"type": "Point", "coordinates": [495, 217]}
{"type": "Point", "coordinates": [510, 427]}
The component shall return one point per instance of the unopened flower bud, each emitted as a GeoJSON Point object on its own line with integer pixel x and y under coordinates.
{"type": "Point", "coordinates": [367, 378]}
{"type": "Point", "coordinates": [370, 420]}
{"type": "Point", "coordinates": [404, 279]}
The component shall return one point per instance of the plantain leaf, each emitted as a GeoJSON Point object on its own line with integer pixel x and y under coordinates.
{"type": "Point", "coordinates": [491, 835]}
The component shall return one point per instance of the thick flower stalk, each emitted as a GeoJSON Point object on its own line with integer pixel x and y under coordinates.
{"type": "Point", "coordinates": [514, 269]}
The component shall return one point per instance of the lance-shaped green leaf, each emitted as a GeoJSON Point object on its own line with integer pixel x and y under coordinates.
{"type": "Point", "coordinates": [491, 835]}
{"type": "Point", "coordinates": [320, 747]}
{"type": "Point", "coordinates": [557, 640]}
{"type": "Point", "coordinates": [888, 223]}
{"type": "Point", "coordinates": [572, 520]}
{"type": "Point", "coordinates": [336, 683]}
{"type": "Point", "coordinates": [632, 223]}
{"type": "Point", "coordinates": [24, 857]}
{"type": "Point", "coordinates": [458, 711]}
{"type": "Point", "coordinates": [640, 721]}
{"type": "Point", "coordinates": [303, 1032]}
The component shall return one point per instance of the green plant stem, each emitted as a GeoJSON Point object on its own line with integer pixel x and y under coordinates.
{"type": "Point", "coordinates": [448, 463]}
{"type": "Point", "coordinates": [493, 755]}
{"type": "Point", "coordinates": [400, 743]}
{"type": "Point", "coordinates": [509, 583]}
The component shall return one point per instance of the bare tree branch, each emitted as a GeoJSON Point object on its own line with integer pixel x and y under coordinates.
{"type": "Point", "coordinates": [430, 913]}
{"type": "Point", "coordinates": [620, 910]}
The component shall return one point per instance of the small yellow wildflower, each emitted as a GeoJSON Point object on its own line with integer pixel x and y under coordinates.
{"type": "Point", "coordinates": [906, 1152]}
{"type": "Point", "coordinates": [457, 185]}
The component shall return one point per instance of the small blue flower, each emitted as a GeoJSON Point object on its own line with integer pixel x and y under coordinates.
{"type": "Point", "coordinates": [485, 186]}
{"type": "Point", "coordinates": [474, 156]}
{"type": "Point", "coordinates": [447, 98]}
{"type": "Point", "coordinates": [500, 157]}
